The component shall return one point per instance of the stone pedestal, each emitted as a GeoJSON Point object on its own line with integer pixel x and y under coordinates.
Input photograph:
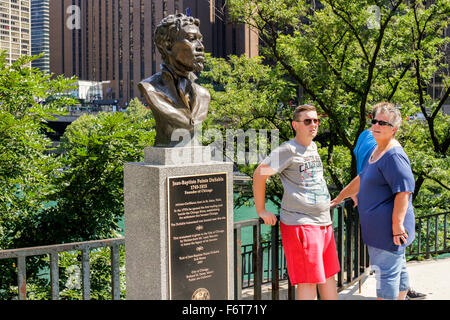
{"type": "Point", "coordinates": [170, 255]}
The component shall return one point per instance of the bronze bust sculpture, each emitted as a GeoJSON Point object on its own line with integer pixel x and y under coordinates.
{"type": "Point", "coordinates": [176, 101]}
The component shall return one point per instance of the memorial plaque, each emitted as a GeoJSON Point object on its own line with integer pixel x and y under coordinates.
{"type": "Point", "coordinates": [197, 223]}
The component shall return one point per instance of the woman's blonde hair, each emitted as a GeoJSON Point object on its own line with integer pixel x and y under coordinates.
{"type": "Point", "coordinates": [395, 117]}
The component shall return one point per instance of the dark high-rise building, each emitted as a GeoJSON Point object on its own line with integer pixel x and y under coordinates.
{"type": "Point", "coordinates": [112, 40]}
{"type": "Point", "coordinates": [40, 33]}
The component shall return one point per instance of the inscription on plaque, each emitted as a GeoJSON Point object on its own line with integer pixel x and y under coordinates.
{"type": "Point", "coordinates": [198, 237]}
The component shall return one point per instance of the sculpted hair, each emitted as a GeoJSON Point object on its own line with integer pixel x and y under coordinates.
{"type": "Point", "coordinates": [167, 30]}
{"type": "Point", "coordinates": [300, 109]}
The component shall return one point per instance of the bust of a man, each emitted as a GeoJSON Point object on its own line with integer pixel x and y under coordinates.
{"type": "Point", "coordinates": [176, 101]}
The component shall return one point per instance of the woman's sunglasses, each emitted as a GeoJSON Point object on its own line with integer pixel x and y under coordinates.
{"type": "Point", "coordinates": [309, 121]}
{"type": "Point", "coordinates": [381, 122]}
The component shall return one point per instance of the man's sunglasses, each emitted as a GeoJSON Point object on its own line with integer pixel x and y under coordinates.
{"type": "Point", "coordinates": [309, 121]}
{"type": "Point", "coordinates": [381, 122]}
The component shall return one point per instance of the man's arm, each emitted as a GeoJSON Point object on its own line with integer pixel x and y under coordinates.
{"type": "Point", "coordinates": [260, 176]}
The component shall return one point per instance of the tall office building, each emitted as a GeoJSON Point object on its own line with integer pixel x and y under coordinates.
{"type": "Point", "coordinates": [40, 33]}
{"type": "Point", "coordinates": [15, 28]}
{"type": "Point", "coordinates": [112, 40]}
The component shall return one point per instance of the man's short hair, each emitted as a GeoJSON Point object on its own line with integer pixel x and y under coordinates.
{"type": "Point", "coordinates": [300, 109]}
{"type": "Point", "coordinates": [167, 30]}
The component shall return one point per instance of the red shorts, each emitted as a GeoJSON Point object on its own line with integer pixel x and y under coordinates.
{"type": "Point", "coordinates": [310, 252]}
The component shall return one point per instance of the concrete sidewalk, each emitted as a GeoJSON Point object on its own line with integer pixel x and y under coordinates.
{"type": "Point", "coordinates": [431, 277]}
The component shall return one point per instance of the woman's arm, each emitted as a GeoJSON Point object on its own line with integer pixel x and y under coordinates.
{"type": "Point", "coordinates": [351, 189]}
{"type": "Point", "coordinates": [401, 202]}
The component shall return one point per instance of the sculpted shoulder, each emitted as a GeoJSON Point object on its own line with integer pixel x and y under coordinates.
{"type": "Point", "coordinates": [202, 92]}
{"type": "Point", "coordinates": [154, 83]}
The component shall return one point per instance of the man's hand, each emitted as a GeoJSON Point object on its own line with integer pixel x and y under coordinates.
{"type": "Point", "coordinates": [268, 217]}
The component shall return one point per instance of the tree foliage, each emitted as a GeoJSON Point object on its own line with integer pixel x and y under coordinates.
{"type": "Point", "coordinates": [345, 59]}
{"type": "Point", "coordinates": [50, 196]}
{"type": "Point", "coordinates": [89, 196]}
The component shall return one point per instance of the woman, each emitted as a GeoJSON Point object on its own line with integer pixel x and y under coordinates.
{"type": "Point", "coordinates": [384, 189]}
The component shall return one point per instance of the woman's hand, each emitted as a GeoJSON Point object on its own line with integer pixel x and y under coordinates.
{"type": "Point", "coordinates": [400, 234]}
{"type": "Point", "coordinates": [336, 201]}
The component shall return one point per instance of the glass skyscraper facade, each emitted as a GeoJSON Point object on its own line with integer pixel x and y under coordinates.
{"type": "Point", "coordinates": [40, 33]}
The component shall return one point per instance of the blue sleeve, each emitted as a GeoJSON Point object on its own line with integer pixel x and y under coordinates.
{"type": "Point", "coordinates": [364, 147]}
{"type": "Point", "coordinates": [397, 172]}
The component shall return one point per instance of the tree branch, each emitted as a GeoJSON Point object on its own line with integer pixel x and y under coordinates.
{"type": "Point", "coordinates": [338, 74]}
{"type": "Point", "coordinates": [395, 87]}
{"type": "Point", "coordinates": [352, 27]}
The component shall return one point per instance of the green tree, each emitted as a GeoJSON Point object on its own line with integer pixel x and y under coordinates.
{"type": "Point", "coordinates": [89, 196]}
{"type": "Point", "coordinates": [26, 166]}
{"type": "Point", "coordinates": [344, 59]}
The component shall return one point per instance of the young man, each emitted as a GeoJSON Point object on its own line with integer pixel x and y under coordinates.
{"type": "Point", "coordinates": [306, 226]}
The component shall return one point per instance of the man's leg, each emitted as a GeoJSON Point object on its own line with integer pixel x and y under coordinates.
{"type": "Point", "coordinates": [306, 291]}
{"type": "Point", "coordinates": [328, 290]}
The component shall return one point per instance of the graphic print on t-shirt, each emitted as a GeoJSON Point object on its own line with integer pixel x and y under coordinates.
{"type": "Point", "coordinates": [311, 176]}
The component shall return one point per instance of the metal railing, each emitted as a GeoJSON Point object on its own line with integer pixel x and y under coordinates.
{"type": "Point", "coordinates": [53, 251]}
{"type": "Point", "coordinates": [432, 236]}
{"type": "Point", "coordinates": [259, 264]}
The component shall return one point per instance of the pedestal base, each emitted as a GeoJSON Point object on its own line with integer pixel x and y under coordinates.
{"type": "Point", "coordinates": [147, 230]}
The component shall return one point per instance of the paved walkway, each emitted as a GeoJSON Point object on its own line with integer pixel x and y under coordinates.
{"type": "Point", "coordinates": [431, 277]}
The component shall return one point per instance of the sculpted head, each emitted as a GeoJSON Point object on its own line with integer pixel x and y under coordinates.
{"type": "Point", "coordinates": [179, 41]}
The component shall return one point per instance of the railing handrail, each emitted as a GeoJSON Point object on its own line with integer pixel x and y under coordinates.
{"type": "Point", "coordinates": [53, 250]}
{"type": "Point", "coordinates": [48, 249]}
{"type": "Point", "coordinates": [428, 216]}
{"type": "Point", "coordinates": [425, 221]}
{"type": "Point", "coordinates": [352, 254]}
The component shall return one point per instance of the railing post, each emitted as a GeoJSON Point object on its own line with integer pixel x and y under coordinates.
{"type": "Point", "coordinates": [428, 239]}
{"type": "Point", "coordinates": [115, 272]}
{"type": "Point", "coordinates": [238, 260]}
{"type": "Point", "coordinates": [419, 238]}
{"type": "Point", "coordinates": [22, 277]}
{"type": "Point", "coordinates": [357, 248]}
{"type": "Point", "coordinates": [436, 234]}
{"type": "Point", "coordinates": [340, 245]}
{"type": "Point", "coordinates": [445, 231]}
{"type": "Point", "coordinates": [348, 249]}
{"type": "Point", "coordinates": [86, 270]}
{"type": "Point", "coordinates": [275, 262]}
{"type": "Point", "coordinates": [54, 275]}
{"type": "Point", "coordinates": [291, 290]}
{"type": "Point", "coordinates": [257, 262]}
